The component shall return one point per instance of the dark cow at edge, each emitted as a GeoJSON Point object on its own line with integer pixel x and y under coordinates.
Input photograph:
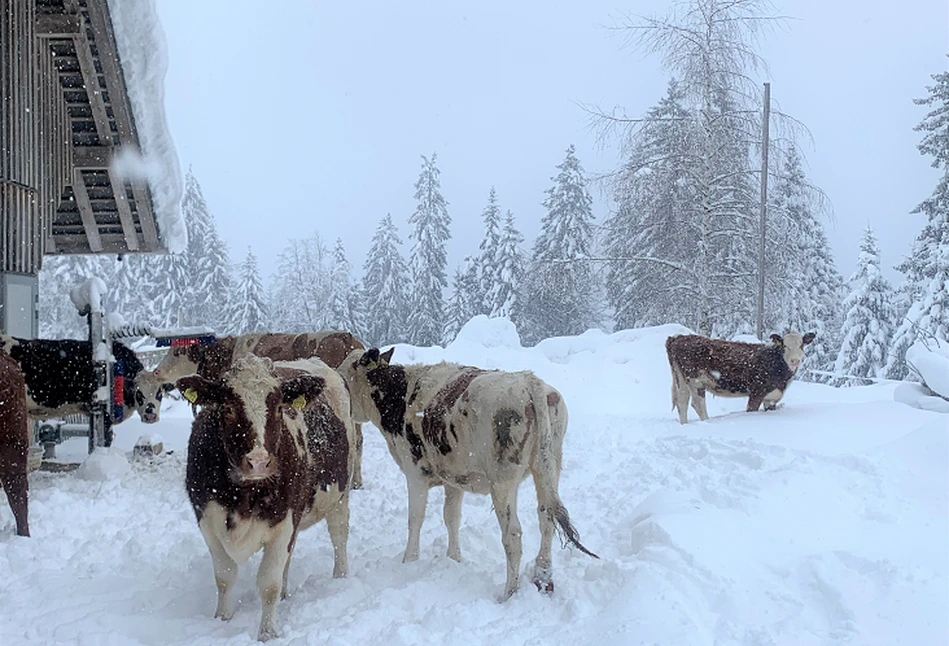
{"type": "Point", "coordinates": [761, 372]}
{"type": "Point", "coordinates": [270, 454]}
{"type": "Point", "coordinates": [469, 430]}
{"type": "Point", "coordinates": [14, 442]}
{"type": "Point", "coordinates": [59, 377]}
{"type": "Point", "coordinates": [214, 359]}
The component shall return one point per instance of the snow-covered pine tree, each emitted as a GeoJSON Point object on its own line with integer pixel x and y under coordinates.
{"type": "Point", "coordinates": [709, 45]}
{"type": "Point", "coordinates": [131, 288]}
{"type": "Point", "coordinates": [207, 261]}
{"type": "Point", "coordinates": [804, 287]}
{"type": "Point", "coordinates": [168, 287]}
{"type": "Point", "coordinates": [426, 324]}
{"type": "Point", "coordinates": [927, 269]}
{"type": "Point", "coordinates": [302, 287]}
{"type": "Point", "coordinates": [507, 268]}
{"type": "Point", "coordinates": [869, 319]}
{"type": "Point", "coordinates": [463, 304]}
{"type": "Point", "coordinates": [650, 279]}
{"type": "Point", "coordinates": [484, 269]}
{"type": "Point", "coordinates": [558, 295]}
{"type": "Point", "coordinates": [58, 317]}
{"type": "Point", "coordinates": [341, 313]}
{"type": "Point", "coordinates": [386, 284]}
{"type": "Point", "coordinates": [251, 311]}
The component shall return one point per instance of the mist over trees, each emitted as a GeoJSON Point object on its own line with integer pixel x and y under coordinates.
{"type": "Point", "coordinates": [679, 244]}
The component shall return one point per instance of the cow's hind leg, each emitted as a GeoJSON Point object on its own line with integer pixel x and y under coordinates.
{"type": "Point", "coordinates": [418, 499]}
{"type": "Point", "coordinates": [504, 497]}
{"type": "Point", "coordinates": [698, 403]}
{"type": "Point", "coordinates": [452, 516]}
{"type": "Point", "coordinates": [16, 486]}
{"type": "Point", "coordinates": [680, 397]}
{"type": "Point", "coordinates": [754, 402]}
{"type": "Point", "coordinates": [337, 523]}
{"type": "Point", "coordinates": [225, 573]}
{"type": "Point", "coordinates": [543, 564]}
{"type": "Point", "coordinates": [270, 576]}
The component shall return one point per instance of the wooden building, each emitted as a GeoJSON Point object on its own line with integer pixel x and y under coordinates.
{"type": "Point", "coordinates": [65, 118]}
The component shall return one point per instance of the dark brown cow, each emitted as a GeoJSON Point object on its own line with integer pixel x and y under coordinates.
{"type": "Point", "coordinates": [212, 360]}
{"type": "Point", "coordinates": [758, 371]}
{"type": "Point", "coordinates": [14, 442]}
{"type": "Point", "coordinates": [269, 455]}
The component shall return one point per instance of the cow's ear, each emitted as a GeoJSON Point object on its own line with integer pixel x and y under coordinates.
{"type": "Point", "coordinates": [301, 390]}
{"type": "Point", "coordinates": [370, 358]}
{"type": "Point", "coordinates": [386, 357]}
{"type": "Point", "coordinates": [198, 390]}
{"type": "Point", "coordinates": [777, 339]}
{"type": "Point", "coordinates": [167, 387]}
{"type": "Point", "coordinates": [810, 336]}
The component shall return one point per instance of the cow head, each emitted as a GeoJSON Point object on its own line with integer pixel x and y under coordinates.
{"type": "Point", "coordinates": [253, 410]}
{"type": "Point", "coordinates": [356, 370]}
{"type": "Point", "coordinates": [792, 345]}
{"type": "Point", "coordinates": [150, 388]}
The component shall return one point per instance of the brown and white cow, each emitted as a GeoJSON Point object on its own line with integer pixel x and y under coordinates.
{"type": "Point", "coordinates": [14, 442]}
{"type": "Point", "coordinates": [470, 430]}
{"type": "Point", "coordinates": [761, 372]}
{"type": "Point", "coordinates": [270, 454]}
{"type": "Point", "coordinates": [213, 359]}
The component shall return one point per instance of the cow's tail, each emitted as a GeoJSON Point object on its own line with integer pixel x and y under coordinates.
{"type": "Point", "coordinates": [547, 466]}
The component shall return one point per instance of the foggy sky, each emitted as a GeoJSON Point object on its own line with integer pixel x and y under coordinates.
{"type": "Point", "coordinates": [299, 116]}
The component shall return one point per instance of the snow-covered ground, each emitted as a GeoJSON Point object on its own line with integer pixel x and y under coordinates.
{"type": "Point", "coordinates": [823, 522]}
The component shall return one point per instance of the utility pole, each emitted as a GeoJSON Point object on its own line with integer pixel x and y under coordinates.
{"type": "Point", "coordinates": [759, 327]}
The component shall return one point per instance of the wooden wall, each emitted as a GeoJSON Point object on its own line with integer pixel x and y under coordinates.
{"type": "Point", "coordinates": [22, 233]}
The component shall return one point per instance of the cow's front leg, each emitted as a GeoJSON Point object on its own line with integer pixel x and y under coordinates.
{"type": "Point", "coordinates": [357, 461]}
{"type": "Point", "coordinates": [452, 516]}
{"type": "Point", "coordinates": [418, 498]}
{"type": "Point", "coordinates": [286, 568]}
{"type": "Point", "coordinates": [504, 497]}
{"type": "Point", "coordinates": [337, 522]}
{"type": "Point", "coordinates": [269, 578]}
{"type": "Point", "coordinates": [754, 402]}
{"type": "Point", "coordinates": [771, 399]}
{"type": "Point", "coordinates": [225, 572]}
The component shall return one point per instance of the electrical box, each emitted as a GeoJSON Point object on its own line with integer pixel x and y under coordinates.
{"type": "Point", "coordinates": [19, 296]}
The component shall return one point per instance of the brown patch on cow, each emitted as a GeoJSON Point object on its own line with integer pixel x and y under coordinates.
{"type": "Point", "coordinates": [434, 426]}
{"type": "Point", "coordinates": [212, 359]}
{"type": "Point", "coordinates": [553, 398]}
{"type": "Point", "coordinates": [415, 443]}
{"type": "Point", "coordinates": [14, 442]}
{"type": "Point", "coordinates": [328, 443]}
{"type": "Point", "coordinates": [389, 385]}
{"type": "Point", "coordinates": [503, 420]}
{"type": "Point", "coordinates": [336, 346]}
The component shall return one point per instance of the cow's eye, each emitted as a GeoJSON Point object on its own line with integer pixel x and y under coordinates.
{"type": "Point", "coordinates": [158, 395]}
{"type": "Point", "coordinates": [139, 397]}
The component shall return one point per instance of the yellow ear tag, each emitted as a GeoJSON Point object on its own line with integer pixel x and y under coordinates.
{"type": "Point", "coordinates": [299, 402]}
{"type": "Point", "coordinates": [372, 365]}
{"type": "Point", "coordinates": [190, 394]}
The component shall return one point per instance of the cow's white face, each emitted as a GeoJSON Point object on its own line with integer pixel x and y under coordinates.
{"type": "Point", "coordinates": [149, 391]}
{"type": "Point", "coordinates": [793, 344]}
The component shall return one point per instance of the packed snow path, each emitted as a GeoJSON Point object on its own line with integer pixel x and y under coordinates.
{"type": "Point", "coordinates": [823, 522]}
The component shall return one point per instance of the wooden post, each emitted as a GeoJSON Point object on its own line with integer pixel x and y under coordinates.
{"type": "Point", "coordinates": [759, 327]}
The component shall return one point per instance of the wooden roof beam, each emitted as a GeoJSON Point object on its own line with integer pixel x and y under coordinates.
{"type": "Point", "coordinates": [85, 211]}
{"type": "Point", "coordinates": [145, 216]}
{"type": "Point", "coordinates": [58, 25]}
{"type": "Point", "coordinates": [125, 212]}
{"type": "Point", "coordinates": [91, 80]}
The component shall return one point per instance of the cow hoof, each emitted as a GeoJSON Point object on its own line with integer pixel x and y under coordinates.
{"type": "Point", "coordinates": [266, 634]}
{"type": "Point", "coordinates": [223, 615]}
{"type": "Point", "coordinates": [455, 556]}
{"type": "Point", "coordinates": [356, 485]}
{"type": "Point", "coordinates": [408, 558]}
{"type": "Point", "coordinates": [507, 595]}
{"type": "Point", "coordinates": [544, 586]}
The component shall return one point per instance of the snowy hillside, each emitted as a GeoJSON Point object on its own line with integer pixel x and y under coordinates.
{"type": "Point", "coordinates": [823, 522]}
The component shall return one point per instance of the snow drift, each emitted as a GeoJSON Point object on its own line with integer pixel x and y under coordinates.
{"type": "Point", "coordinates": [822, 522]}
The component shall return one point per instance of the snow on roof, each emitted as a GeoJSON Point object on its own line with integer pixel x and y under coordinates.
{"type": "Point", "coordinates": [144, 54]}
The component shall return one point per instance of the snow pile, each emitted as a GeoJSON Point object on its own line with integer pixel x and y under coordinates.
{"type": "Point", "coordinates": [931, 360]}
{"type": "Point", "coordinates": [104, 464]}
{"type": "Point", "coordinates": [144, 56]}
{"type": "Point", "coordinates": [88, 295]}
{"type": "Point", "coordinates": [487, 333]}
{"type": "Point", "coordinates": [822, 522]}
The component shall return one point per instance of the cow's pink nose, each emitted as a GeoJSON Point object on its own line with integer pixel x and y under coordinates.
{"type": "Point", "coordinates": [258, 463]}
